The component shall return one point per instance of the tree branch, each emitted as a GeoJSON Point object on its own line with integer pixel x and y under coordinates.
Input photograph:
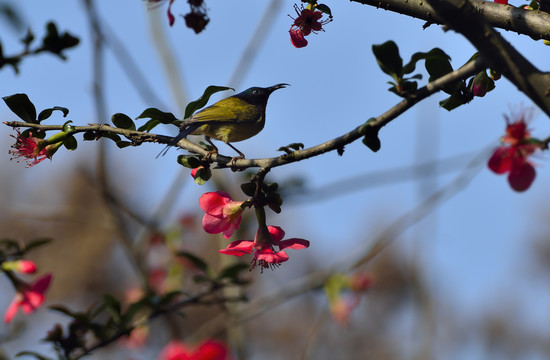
{"type": "Point", "coordinates": [138, 137]}
{"type": "Point", "coordinates": [462, 16]}
{"type": "Point", "coordinates": [535, 24]}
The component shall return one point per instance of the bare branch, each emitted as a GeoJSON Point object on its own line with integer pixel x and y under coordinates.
{"type": "Point", "coordinates": [535, 24]}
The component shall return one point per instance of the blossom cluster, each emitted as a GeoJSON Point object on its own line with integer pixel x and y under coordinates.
{"type": "Point", "coordinates": [223, 215]}
{"type": "Point", "coordinates": [513, 156]}
{"type": "Point", "coordinates": [29, 296]}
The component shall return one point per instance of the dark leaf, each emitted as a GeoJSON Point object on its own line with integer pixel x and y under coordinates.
{"type": "Point", "coordinates": [249, 188]}
{"type": "Point", "coordinates": [157, 116]}
{"type": "Point", "coordinates": [70, 143]}
{"type": "Point", "coordinates": [46, 113]}
{"type": "Point", "coordinates": [111, 136]}
{"type": "Point", "coordinates": [200, 102]}
{"type": "Point", "coordinates": [189, 161]}
{"type": "Point", "coordinates": [37, 243]}
{"type": "Point", "coordinates": [233, 271]}
{"type": "Point", "coordinates": [371, 139]}
{"type": "Point", "coordinates": [388, 58]}
{"type": "Point", "coordinates": [123, 143]}
{"type": "Point", "coordinates": [324, 8]}
{"type": "Point", "coordinates": [203, 175]}
{"type": "Point", "coordinates": [90, 135]}
{"type": "Point", "coordinates": [123, 121]}
{"type": "Point", "coordinates": [54, 43]}
{"type": "Point", "coordinates": [149, 125]}
{"type": "Point", "coordinates": [22, 107]}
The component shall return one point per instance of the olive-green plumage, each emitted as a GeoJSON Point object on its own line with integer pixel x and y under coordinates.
{"type": "Point", "coordinates": [232, 119]}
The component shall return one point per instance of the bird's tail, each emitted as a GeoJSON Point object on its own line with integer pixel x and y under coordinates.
{"type": "Point", "coordinates": [186, 130]}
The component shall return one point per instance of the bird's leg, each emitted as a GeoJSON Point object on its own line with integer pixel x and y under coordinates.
{"type": "Point", "coordinates": [233, 159]}
{"type": "Point", "coordinates": [214, 150]}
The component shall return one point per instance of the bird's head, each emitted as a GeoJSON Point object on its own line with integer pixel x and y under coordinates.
{"type": "Point", "coordinates": [259, 95]}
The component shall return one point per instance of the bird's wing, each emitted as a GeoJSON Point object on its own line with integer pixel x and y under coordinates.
{"type": "Point", "coordinates": [218, 113]}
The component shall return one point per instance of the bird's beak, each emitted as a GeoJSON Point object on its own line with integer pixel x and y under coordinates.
{"type": "Point", "coordinates": [278, 86]}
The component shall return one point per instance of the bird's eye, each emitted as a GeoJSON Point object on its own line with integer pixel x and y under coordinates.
{"type": "Point", "coordinates": [256, 92]}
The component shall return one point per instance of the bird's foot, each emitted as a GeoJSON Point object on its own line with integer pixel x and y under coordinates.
{"type": "Point", "coordinates": [209, 154]}
{"type": "Point", "coordinates": [233, 160]}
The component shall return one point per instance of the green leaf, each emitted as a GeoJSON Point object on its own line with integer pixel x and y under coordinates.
{"type": "Point", "coordinates": [388, 58]}
{"type": "Point", "coordinates": [453, 101]}
{"type": "Point", "coordinates": [37, 243]}
{"type": "Point", "coordinates": [63, 310]}
{"type": "Point", "coordinates": [123, 121]}
{"type": "Point", "coordinates": [371, 139]}
{"type": "Point", "coordinates": [111, 136]}
{"type": "Point", "coordinates": [200, 102]}
{"type": "Point", "coordinates": [70, 143]}
{"type": "Point", "coordinates": [438, 63]}
{"type": "Point", "coordinates": [249, 188]}
{"type": "Point", "coordinates": [203, 175]}
{"type": "Point", "coordinates": [149, 125]}
{"type": "Point", "coordinates": [54, 43]}
{"type": "Point", "coordinates": [22, 107]}
{"type": "Point", "coordinates": [46, 113]}
{"type": "Point", "coordinates": [112, 306]}
{"type": "Point", "coordinates": [195, 260]}
{"type": "Point", "coordinates": [189, 161]}
{"type": "Point", "coordinates": [89, 135]}
{"type": "Point", "coordinates": [324, 8]}
{"type": "Point", "coordinates": [123, 143]}
{"type": "Point", "coordinates": [156, 114]}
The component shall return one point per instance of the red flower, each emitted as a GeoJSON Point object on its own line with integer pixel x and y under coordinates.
{"type": "Point", "coordinates": [265, 255]}
{"type": "Point", "coordinates": [208, 350]}
{"type": "Point", "coordinates": [308, 21]}
{"type": "Point", "coordinates": [505, 2]}
{"type": "Point", "coordinates": [297, 38]}
{"type": "Point", "coordinates": [222, 214]}
{"type": "Point", "coordinates": [512, 158]}
{"type": "Point", "coordinates": [28, 149]}
{"type": "Point", "coordinates": [29, 297]}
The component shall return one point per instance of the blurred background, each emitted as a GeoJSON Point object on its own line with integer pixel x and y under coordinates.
{"type": "Point", "coordinates": [465, 275]}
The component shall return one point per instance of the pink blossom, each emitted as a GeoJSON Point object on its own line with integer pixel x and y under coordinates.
{"type": "Point", "coordinates": [308, 21]}
{"type": "Point", "coordinates": [27, 149]}
{"type": "Point", "coordinates": [208, 350]}
{"type": "Point", "coordinates": [29, 297]}
{"type": "Point", "coordinates": [25, 266]}
{"type": "Point", "coordinates": [222, 214]}
{"type": "Point", "coordinates": [263, 247]}
{"type": "Point", "coordinates": [513, 156]}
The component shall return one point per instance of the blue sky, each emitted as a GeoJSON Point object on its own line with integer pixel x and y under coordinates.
{"type": "Point", "coordinates": [472, 247]}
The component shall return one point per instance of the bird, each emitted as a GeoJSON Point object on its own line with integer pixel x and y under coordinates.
{"type": "Point", "coordinates": [233, 119]}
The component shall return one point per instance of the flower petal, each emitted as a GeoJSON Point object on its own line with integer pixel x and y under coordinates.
{"type": "Point", "coordinates": [294, 243]}
{"type": "Point", "coordinates": [211, 350]}
{"type": "Point", "coordinates": [297, 38]}
{"type": "Point", "coordinates": [214, 225]}
{"type": "Point", "coordinates": [12, 308]}
{"type": "Point", "coordinates": [238, 248]}
{"type": "Point", "coordinates": [269, 256]}
{"type": "Point", "coordinates": [521, 176]}
{"type": "Point", "coordinates": [277, 234]}
{"type": "Point", "coordinates": [42, 284]}
{"type": "Point", "coordinates": [213, 202]}
{"type": "Point", "coordinates": [501, 160]}
{"type": "Point", "coordinates": [232, 226]}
